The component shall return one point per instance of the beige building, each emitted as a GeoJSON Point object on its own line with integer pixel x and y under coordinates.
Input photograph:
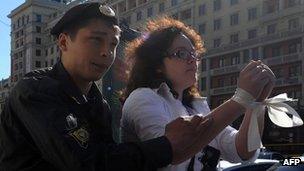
{"type": "Point", "coordinates": [30, 40]}
{"type": "Point", "coordinates": [234, 32]}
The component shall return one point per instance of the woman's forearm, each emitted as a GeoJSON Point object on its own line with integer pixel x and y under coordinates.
{"type": "Point", "coordinates": [242, 135]}
{"type": "Point", "coordinates": [222, 116]}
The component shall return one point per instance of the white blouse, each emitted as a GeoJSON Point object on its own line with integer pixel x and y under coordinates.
{"type": "Point", "coordinates": [147, 111]}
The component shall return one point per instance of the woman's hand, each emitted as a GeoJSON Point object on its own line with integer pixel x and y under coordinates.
{"type": "Point", "coordinates": [254, 78]}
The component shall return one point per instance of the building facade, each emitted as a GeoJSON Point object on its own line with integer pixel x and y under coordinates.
{"type": "Point", "coordinates": [32, 47]}
{"type": "Point", "coordinates": [235, 32]}
{"type": "Point", "coordinates": [4, 91]}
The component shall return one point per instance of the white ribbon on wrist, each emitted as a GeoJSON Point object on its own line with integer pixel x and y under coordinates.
{"type": "Point", "coordinates": [277, 112]}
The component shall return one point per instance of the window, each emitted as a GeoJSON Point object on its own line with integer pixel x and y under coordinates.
{"type": "Point", "coordinates": [271, 6]}
{"type": "Point", "coordinates": [128, 19]}
{"type": "Point", "coordinates": [293, 23]}
{"type": "Point", "coordinates": [161, 7]}
{"type": "Point", "coordinates": [27, 19]}
{"type": "Point", "coordinates": [20, 65]}
{"type": "Point", "coordinates": [276, 51]}
{"type": "Point", "coordinates": [38, 18]}
{"type": "Point", "coordinates": [221, 82]}
{"type": "Point", "coordinates": [175, 16]}
{"type": "Point", "coordinates": [234, 19]}
{"type": "Point", "coordinates": [234, 38]}
{"type": "Point", "coordinates": [233, 2]}
{"type": "Point", "coordinates": [38, 29]}
{"type": "Point", "coordinates": [38, 41]}
{"type": "Point", "coordinates": [294, 70]}
{"type": "Point", "coordinates": [217, 24]}
{"type": "Point", "coordinates": [252, 14]}
{"type": "Point", "coordinates": [16, 67]}
{"type": "Point", "coordinates": [271, 28]}
{"type": "Point", "coordinates": [38, 52]}
{"type": "Point", "coordinates": [23, 20]}
{"type": "Point", "coordinates": [216, 5]}
{"type": "Point", "coordinates": [46, 63]}
{"type": "Point", "coordinates": [46, 52]}
{"type": "Point", "coordinates": [233, 80]}
{"type": "Point", "coordinates": [255, 54]}
{"type": "Point", "coordinates": [202, 10]}
{"type": "Point", "coordinates": [235, 60]}
{"type": "Point", "coordinates": [278, 72]}
{"type": "Point", "coordinates": [252, 34]}
{"type": "Point", "coordinates": [150, 12]}
{"type": "Point", "coordinates": [246, 55]}
{"type": "Point", "coordinates": [17, 44]}
{"type": "Point", "coordinates": [291, 3]}
{"type": "Point", "coordinates": [202, 28]}
{"type": "Point", "coordinates": [186, 14]}
{"type": "Point", "coordinates": [138, 16]}
{"type": "Point", "coordinates": [203, 83]}
{"type": "Point", "coordinates": [52, 62]}
{"type": "Point", "coordinates": [173, 2]}
{"type": "Point", "coordinates": [52, 50]}
{"type": "Point", "coordinates": [216, 43]}
{"type": "Point", "coordinates": [38, 64]}
{"type": "Point", "coordinates": [222, 62]}
{"type": "Point", "coordinates": [292, 48]}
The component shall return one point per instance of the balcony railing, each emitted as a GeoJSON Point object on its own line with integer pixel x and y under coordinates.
{"type": "Point", "coordinates": [289, 81]}
{"type": "Point", "coordinates": [226, 69]}
{"type": "Point", "coordinates": [263, 39]}
{"type": "Point", "coordinates": [223, 90]}
{"type": "Point", "coordinates": [284, 59]}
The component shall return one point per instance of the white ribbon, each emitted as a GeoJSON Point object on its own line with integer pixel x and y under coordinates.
{"type": "Point", "coordinates": [277, 112]}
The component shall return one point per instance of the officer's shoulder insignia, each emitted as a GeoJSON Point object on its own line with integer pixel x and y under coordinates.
{"type": "Point", "coordinates": [81, 135]}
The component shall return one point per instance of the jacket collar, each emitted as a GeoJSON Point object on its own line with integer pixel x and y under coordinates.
{"type": "Point", "coordinates": [69, 87]}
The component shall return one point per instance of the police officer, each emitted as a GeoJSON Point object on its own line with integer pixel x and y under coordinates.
{"type": "Point", "coordinates": [57, 119]}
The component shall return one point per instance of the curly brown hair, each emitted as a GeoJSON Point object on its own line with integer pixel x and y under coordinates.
{"type": "Point", "coordinates": [145, 56]}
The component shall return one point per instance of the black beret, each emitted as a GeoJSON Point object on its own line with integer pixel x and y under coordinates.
{"type": "Point", "coordinates": [84, 10]}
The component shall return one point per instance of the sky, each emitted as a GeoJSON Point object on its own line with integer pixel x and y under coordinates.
{"type": "Point", "coordinates": [5, 40]}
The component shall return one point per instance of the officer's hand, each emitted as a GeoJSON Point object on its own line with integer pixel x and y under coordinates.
{"type": "Point", "coordinates": [182, 133]}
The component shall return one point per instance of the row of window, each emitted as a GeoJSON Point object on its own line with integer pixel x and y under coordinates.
{"type": "Point", "coordinates": [51, 51]}
{"type": "Point", "coordinates": [21, 21]}
{"type": "Point", "coordinates": [294, 70]}
{"type": "Point", "coordinates": [50, 63]}
{"type": "Point", "coordinates": [251, 34]}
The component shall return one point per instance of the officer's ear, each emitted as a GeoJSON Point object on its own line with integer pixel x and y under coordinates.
{"type": "Point", "coordinates": [63, 41]}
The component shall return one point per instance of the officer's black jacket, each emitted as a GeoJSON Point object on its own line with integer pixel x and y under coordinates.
{"type": "Point", "coordinates": [47, 124]}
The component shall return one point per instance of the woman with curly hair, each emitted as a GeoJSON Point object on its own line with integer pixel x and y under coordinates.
{"type": "Point", "coordinates": [162, 87]}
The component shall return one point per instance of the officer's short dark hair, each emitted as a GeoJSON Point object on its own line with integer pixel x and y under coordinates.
{"type": "Point", "coordinates": [78, 17]}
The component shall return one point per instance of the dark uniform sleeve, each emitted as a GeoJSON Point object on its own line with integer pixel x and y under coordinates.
{"type": "Point", "coordinates": [29, 117]}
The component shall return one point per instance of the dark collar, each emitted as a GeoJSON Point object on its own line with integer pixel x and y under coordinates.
{"type": "Point", "coordinates": [61, 74]}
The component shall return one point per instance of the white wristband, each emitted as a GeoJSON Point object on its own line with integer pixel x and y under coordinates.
{"type": "Point", "coordinates": [243, 97]}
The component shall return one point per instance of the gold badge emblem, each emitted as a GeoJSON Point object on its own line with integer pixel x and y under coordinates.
{"type": "Point", "coordinates": [81, 135]}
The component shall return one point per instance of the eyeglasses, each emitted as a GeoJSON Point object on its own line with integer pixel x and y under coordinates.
{"type": "Point", "coordinates": [186, 55]}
